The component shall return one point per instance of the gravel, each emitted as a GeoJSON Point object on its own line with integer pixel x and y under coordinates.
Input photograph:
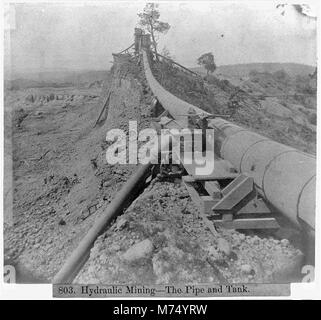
{"type": "Point", "coordinates": [175, 247]}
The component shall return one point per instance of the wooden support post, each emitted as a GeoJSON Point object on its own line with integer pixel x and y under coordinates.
{"type": "Point", "coordinates": [213, 189]}
{"type": "Point", "coordinates": [234, 193]}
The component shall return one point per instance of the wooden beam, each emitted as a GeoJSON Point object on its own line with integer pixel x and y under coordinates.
{"type": "Point", "coordinates": [260, 223]}
{"type": "Point", "coordinates": [213, 189]}
{"type": "Point", "coordinates": [234, 194]}
{"type": "Point", "coordinates": [255, 206]}
{"type": "Point", "coordinates": [218, 176]}
{"type": "Point", "coordinates": [105, 104]}
{"type": "Point", "coordinates": [207, 202]}
{"type": "Point", "coordinates": [204, 203]}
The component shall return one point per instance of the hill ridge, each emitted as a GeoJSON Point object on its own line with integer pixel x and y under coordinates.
{"type": "Point", "coordinates": [243, 69]}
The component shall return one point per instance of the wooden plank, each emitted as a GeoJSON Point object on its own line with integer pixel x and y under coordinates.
{"type": "Point", "coordinates": [255, 206]}
{"type": "Point", "coordinates": [213, 189]}
{"type": "Point", "coordinates": [227, 217]}
{"type": "Point", "coordinates": [188, 179]}
{"type": "Point", "coordinates": [261, 223]}
{"type": "Point", "coordinates": [204, 203]}
{"type": "Point", "coordinates": [200, 203]}
{"type": "Point", "coordinates": [216, 176]}
{"type": "Point", "coordinates": [233, 184]}
{"type": "Point", "coordinates": [194, 195]}
{"type": "Point", "coordinates": [210, 225]}
{"type": "Point", "coordinates": [207, 203]}
{"type": "Point", "coordinates": [105, 104]}
{"type": "Point", "coordinates": [235, 195]}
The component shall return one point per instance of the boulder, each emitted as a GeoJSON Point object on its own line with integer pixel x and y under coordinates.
{"type": "Point", "coordinates": [246, 268]}
{"type": "Point", "coordinates": [121, 224]}
{"type": "Point", "coordinates": [285, 242]}
{"type": "Point", "coordinates": [224, 246]}
{"type": "Point", "coordinates": [140, 250]}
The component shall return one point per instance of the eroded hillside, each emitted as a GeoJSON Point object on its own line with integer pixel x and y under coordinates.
{"type": "Point", "coordinates": [62, 184]}
{"type": "Point", "coordinates": [275, 105]}
{"type": "Point", "coordinates": [61, 181]}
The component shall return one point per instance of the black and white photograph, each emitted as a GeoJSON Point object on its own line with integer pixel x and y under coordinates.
{"type": "Point", "coordinates": [160, 149]}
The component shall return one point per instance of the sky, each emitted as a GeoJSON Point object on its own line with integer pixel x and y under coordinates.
{"type": "Point", "coordinates": [83, 36]}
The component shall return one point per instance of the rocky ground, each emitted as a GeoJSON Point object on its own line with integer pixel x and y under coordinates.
{"type": "Point", "coordinates": [162, 239]}
{"type": "Point", "coordinates": [62, 183]}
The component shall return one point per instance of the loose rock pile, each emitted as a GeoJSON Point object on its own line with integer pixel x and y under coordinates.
{"type": "Point", "coordinates": [162, 239]}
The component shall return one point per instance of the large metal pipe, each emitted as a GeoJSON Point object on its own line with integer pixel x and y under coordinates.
{"type": "Point", "coordinates": [176, 107]}
{"type": "Point", "coordinates": [285, 176]}
{"type": "Point", "coordinates": [121, 201]}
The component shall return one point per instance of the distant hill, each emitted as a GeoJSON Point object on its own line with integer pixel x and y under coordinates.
{"type": "Point", "coordinates": [54, 79]}
{"type": "Point", "coordinates": [242, 70]}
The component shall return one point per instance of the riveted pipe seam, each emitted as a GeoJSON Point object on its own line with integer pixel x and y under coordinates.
{"type": "Point", "coordinates": [301, 193]}
{"type": "Point", "coordinates": [227, 141]}
{"type": "Point", "coordinates": [248, 149]}
{"type": "Point", "coordinates": [268, 166]}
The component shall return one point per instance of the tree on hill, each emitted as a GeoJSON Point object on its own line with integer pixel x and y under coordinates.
{"type": "Point", "coordinates": [149, 19]}
{"type": "Point", "coordinates": [207, 61]}
{"type": "Point", "coordinates": [281, 75]}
